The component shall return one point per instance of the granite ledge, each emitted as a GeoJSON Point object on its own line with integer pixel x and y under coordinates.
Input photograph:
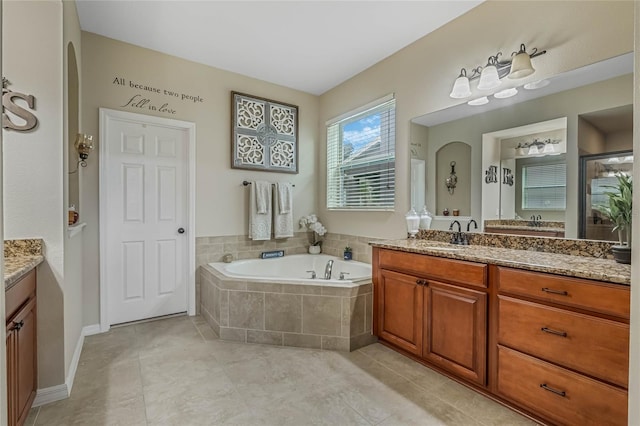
{"type": "Point", "coordinates": [605, 270]}
{"type": "Point", "coordinates": [17, 267]}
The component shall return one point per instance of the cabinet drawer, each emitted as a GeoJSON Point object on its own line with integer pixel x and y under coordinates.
{"type": "Point", "coordinates": [591, 345]}
{"type": "Point", "coordinates": [456, 271]}
{"type": "Point", "coordinates": [610, 299]}
{"type": "Point", "coordinates": [17, 295]}
{"type": "Point", "coordinates": [557, 394]}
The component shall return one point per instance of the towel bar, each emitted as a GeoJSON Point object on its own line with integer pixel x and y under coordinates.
{"type": "Point", "coordinates": [246, 183]}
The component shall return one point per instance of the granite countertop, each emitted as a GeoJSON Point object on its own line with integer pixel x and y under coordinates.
{"type": "Point", "coordinates": [20, 257]}
{"type": "Point", "coordinates": [562, 264]}
{"type": "Point", "coordinates": [18, 266]}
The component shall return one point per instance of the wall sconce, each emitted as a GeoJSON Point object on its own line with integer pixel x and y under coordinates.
{"type": "Point", "coordinates": [452, 180]}
{"type": "Point", "coordinates": [84, 145]}
{"type": "Point", "coordinates": [516, 67]}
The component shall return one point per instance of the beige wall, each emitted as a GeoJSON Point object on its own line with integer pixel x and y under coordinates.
{"type": "Point", "coordinates": [33, 164]}
{"type": "Point", "coordinates": [421, 76]}
{"type": "Point", "coordinates": [619, 141]}
{"type": "Point", "coordinates": [590, 139]}
{"type": "Point", "coordinates": [221, 200]}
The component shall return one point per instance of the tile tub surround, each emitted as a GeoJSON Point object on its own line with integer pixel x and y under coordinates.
{"type": "Point", "coordinates": [599, 269]}
{"type": "Point", "coordinates": [310, 316]}
{"type": "Point", "coordinates": [212, 249]}
{"type": "Point", "coordinates": [572, 247]}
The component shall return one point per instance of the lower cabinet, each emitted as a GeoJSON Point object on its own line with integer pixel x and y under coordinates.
{"type": "Point", "coordinates": [551, 346]}
{"type": "Point", "coordinates": [21, 349]}
{"type": "Point", "coordinates": [455, 330]}
{"type": "Point", "coordinates": [444, 324]}
{"type": "Point", "coordinates": [400, 310]}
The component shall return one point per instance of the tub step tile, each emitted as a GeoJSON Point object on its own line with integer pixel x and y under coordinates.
{"type": "Point", "coordinates": [303, 340]}
{"type": "Point", "coordinates": [233, 334]}
{"type": "Point", "coordinates": [264, 337]}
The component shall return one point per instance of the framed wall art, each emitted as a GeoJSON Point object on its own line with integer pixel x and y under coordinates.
{"type": "Point", "coordinates": [264, 134]}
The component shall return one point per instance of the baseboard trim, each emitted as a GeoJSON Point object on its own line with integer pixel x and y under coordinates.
{"type": "Point", "coordinates": [60, 392]}
{"type": "Point", "coordinates": [51, 394]}
{"type": "Point", "coordinates": [73, 367]}
{"type": "Point", "coordinates": [90, 330]}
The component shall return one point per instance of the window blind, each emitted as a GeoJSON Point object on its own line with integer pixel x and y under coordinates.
{"type": "Point", "coordinates": [361, 159]}
{"type": "Point", "coordinates": [544, 187]}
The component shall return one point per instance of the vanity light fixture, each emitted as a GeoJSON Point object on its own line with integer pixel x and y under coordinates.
{"type": "Point", "coordinates": [461, 88]}
{"type": "Point", "coordinates": [489, 78]}
{"type": "Point", "coordinates": [548, 149]}
{"type": "Point", "coordinates": [506, 93]}
{"type": "Point", "coordinates": [521, 64]}
{"type": "Point", "coordinates": [518, 66]}
{"type": "Point", "coordinates": [480, 101]}
{"type": "Point", "coordinates": [539, 84]}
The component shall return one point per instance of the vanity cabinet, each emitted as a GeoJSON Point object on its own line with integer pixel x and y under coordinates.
{"type": "Point", "coordinates": [20, 304]}
{"type": "Point", "coordinates": [562, 346]}
{"type": "Point", "coordinates": [455, 329]}
{"type": "Point", "coordinates": [434, 309]}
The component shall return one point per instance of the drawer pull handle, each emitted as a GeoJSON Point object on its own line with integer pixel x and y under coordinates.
{"type": "Point", "coordinates": [552, 291]}
{"type": "Point", "coordinates": [556, 332]}
{"type": "Point", "coordinates": [552, 390]}
{"type": "Point", "coordinates": [421, 282]}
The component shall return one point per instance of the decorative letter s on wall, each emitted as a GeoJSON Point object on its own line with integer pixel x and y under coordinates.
{"type": "Point", "coordinates": [8, 103]}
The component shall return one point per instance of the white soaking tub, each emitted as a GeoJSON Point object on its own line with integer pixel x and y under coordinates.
{"type": "Point", "coordinates": [293, 269]}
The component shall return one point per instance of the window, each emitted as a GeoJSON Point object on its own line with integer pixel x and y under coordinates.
{"type": "Point", "coordinates": [361, 155]}
{"type": "Point", "coordinates": [544, 187]}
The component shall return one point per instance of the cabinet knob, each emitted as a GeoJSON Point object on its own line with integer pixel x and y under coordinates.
{"type": "Point", "coordinates": [421, 282]}
{"type": "Point", "coordinates": [18, 325]}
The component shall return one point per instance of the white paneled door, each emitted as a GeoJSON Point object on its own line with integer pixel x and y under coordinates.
{"type": "Point", "coordinates": [145, 219]}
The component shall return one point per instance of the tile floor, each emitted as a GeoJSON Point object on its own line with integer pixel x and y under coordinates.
{"type": "Point", "coordinates": [176, 372]}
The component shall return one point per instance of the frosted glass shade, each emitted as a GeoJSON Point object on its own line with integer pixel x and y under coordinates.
{"type": "Point", "coordinates": [506, 93]}
{"type": "Point", "coordinates": [461, 88]}
{"type": "Point", "coordinates": [480, 101]}
{"type": "Point", "coordinates": [533, 150]}
{"type": "Point", "coordinates": [521, 66]}
{"type": "Point", "coordinates": [489, 78]}
{"type": "Point", "coordinates": [548, 149]}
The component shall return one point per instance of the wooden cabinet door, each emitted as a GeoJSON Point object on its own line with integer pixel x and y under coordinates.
{"type": "Point", "coordinates": [455, 330]}
{"type": "Point", "coordinates": [400, 310]}
{"type": "Point", "coordinates": [11, 374]}
{"type": "Point", "coordinates": [24, 324]}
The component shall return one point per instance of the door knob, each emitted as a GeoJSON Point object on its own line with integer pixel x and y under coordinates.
{"type": "Point", "coordinates": [180, 230]}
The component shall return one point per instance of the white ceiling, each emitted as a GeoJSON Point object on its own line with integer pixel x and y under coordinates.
{"type": "Point", "coordinates": [307, 45]}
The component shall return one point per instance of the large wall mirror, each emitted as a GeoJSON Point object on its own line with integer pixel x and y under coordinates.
{"type": "Point", "coordinates": [526, 150]}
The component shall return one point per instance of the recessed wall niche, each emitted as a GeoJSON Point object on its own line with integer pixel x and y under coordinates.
{"type": "Point", "coordinates": [73, 126]}
{"type": "Point", "coordinates": [460, 197]}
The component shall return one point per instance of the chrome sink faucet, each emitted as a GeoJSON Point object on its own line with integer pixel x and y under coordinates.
{"type": "Point", "coordinates": [328, 269]}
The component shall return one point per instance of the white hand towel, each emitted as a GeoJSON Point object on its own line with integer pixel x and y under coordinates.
{"type": "Point", "coordinates": [283, 211]}
{"type": "Point", "coordinates": [285, 196]}
{"type": "Point", "coordinates": [260, 216]}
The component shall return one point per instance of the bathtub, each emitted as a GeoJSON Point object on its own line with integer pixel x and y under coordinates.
{"type": "Point", "coordinates": [274, 301]}
{"type": "Point", "coordinates": [294, 269]}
